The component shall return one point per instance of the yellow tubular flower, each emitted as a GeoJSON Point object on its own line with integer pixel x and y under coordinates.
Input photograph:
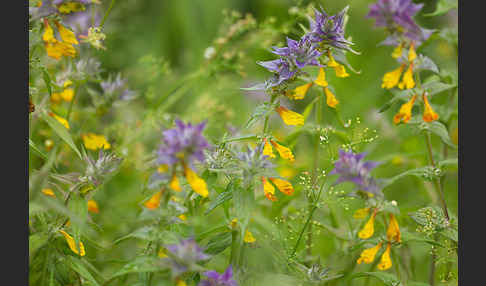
{"type": "Point", "coordinates": [174, 183]}
{"type": "Point", "coordinates": [60, 120]}
{"type": "Point", "coordinates": [162, 253]}
{"type": "Point", "coordinates": [267, 149]}
{"type": "Point", "coordinates": [405, 112]}
{"type": "Point", "coordinates": [248, 238]}
{"type": "Point", "coordinates": [289, 117]}
{"type": "Point", "coordinates": [154, 201]}
{"type": "Point", "coordinates": [300, 91]}
{"type": "Point", "coordinates": [180, 282]}
{"type": "Point", "coordinates": [338, 68]}
{"type": "Point", "coordinates": [283, 186]}
{"type": "Point", "coordinates": [369, 228]}
{"type": "Point", "coordinates": [331, 100]}
{"type": "Point", "coordinates": [429, 114]}
{"type": "Point", "coordinates": [385, 261]}
{"type": "Point", "coordinates": [391, 79]}
{"type": "Point", "coordinates": [397, 52]}
{"type": "Point", "coordinates": [283, 151]}
{"type": "Point", "coordinates": [182, 217]}
{"type": "Point", "coordinates": [321, 78]}
{"type": "Point", "coordinates": [56, 97]}
{"type": "Point", "coordinates": [67, 94]}
{"type": "Point", "coordinates": [67, 35]}
{"type": "Point", "coordinates": [368, 255]}
{"type": "Point", "coordinates": [393, 231]}
{"type": "Point", "coordinates": [66, 49]}
{"type": "Point", "coordinates": [48, 192]}
{"type": "Point", "coordinates": [54, 50]}
{"type": "Point", "coordinates": [269, 190]}
{"type": "Point", "coordinates": [331, 63]}
{"type": "Point", "coordinates": [196, 183]}
{"type": "Point", "coordinates": [412, 55]}
{"type": "Point", "coordinates": [93, 206]}
{"type": "Point", "coordinates": [94, 142]}
{"type": "Point", "coordinates": [407, 80]}
{"type": "Point", "coordinates": [234, 223]}
{"type": "Point", "coordinates": [72, 244]}
{"type": "Point", "coordinates": [361, 213]}
{"type": "Point", "coordinates": [48, 35]}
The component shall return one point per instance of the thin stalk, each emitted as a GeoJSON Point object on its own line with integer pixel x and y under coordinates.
{"type": "Point", "coordinates": [107, 13]}
{"type": "Point", "coordinates": [436, 181]}
{"type": "Point", "coordinates": [76, 90]}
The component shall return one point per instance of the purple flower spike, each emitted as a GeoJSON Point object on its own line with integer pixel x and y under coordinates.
{"type": "Point", "coordinates": [184, 255]}
{"type": "Point", "coordinates": [183, 141]}
{"type": "Point", "coordinates": [328, 29]}
{"type": "Point", "coordinates": [351, 168]}
{"type": "Point", "coordinates": [396, 16]}
{"type": "Point", "coordinates": [216, 279]}
{"type": "Point", "coordinates": [300, 53]}
{"type": "Point", "coordinates": [117, 87]}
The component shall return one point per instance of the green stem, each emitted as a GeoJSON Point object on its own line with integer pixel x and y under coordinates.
{"type": "Point", "coordinates": [436, 181]}
{"type": "Point", "coordinates": [107, 13]}
{"type": "Point", "coordinates": [76, 89]}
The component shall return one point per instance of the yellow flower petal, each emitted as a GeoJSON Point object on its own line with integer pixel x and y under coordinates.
{"type": "Point", "coordinates": [341, 71]}
{"type": "Point", "coordinates": [385, 262]}
{"type": "Point", "coordinates": [48, 192]}
{"type": "Point", "coordinates": [368, 255]}
{"type": "Point", "coordinates": [289, 117]}
{"type": "Point", "coordinates": [397, 52]}
{"type": "Point", "coordinates": [267, 149]}
{"type": "Point", "coordinates": [162, 253]}
{"type": "Point", "coordinates": [67, 83]}
{"type": "Point", "coordinates": [67, 35]}
{"type": "Point", "coordinates": [162, 168]}
{"type": "Point", "coordinates": [94, 142]}
{"type": "Point", "coordinates": [69, 7]}
{"type": "Point", "coordinates": [405, 112]}
{"type": "Point", "coordinates": [180, 282]}
{"type": "Point", "coordinates": [66, 49]}
{"type": "Point", "coordinates": [283, 151]}
{"type": "Point", "coordinates": [249, 237]}
{"type": "Point", "coordinates": [60, 120]}
{"type": "Point", "coordinates": [393, 231]}
{"type": "Point", "coordinates": [56, 97]}
{"type": "Point", "coordinates": [54, 50]}
{"type": "Point", "coordinates": [283, 186]}
{"type": "Point", "coordinates": [321, 78]}
{"type": "Point", "coordinates": [331, 63]}
{"type": "Point", "coordinates": [268, 190]}
{"type": "Point", "coordinates": [331, 100]}
{"type": "Point", "coordinates": [300, 91]}
{"type": "Point", "coordinates": [234, 223]}
{"type": "Point", "coordinates": [72, 244]}
{"type": "Point", "coordinates": [361, 213]}
{"type": "Point", "coordinates": [154, 201]}
{"type": "Point", "coordinates": [48, 35]}
{"type": "Point", "coordinates": [368, 229]}
{"type": "Point", "coordinates": [174, 183]}
{"type": "Point", "coordinates": [67, 94]}
{"type": "Point", "coordinates": [429, 114]}
{"type": "Point", "coordinates": [407, 80]}
{"type": "Point", "coordinates": [93, 206]}
{"type": "Point", "coordinates": [412, 55]}
{"type": "Point", "coordinates": [182, 217]}
{"type": "Point", "coordinates": [196, 183]}
{"type": "Point", "coordinates": [391, 79]}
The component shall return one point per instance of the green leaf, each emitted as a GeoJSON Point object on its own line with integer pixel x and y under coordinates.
{"type": "Point", "coordinates": [218, 243]}
{"type": "Point", "coordinates": [435, 87]}
{"type": "Point", "coordinates": [223, 197]}
{"type": "Point", "coordinates": [425, 63]}
{"type": "Point", "coordinates": [32, 145]}
{"type": "Point", "coordinates": [61, 131]}
{"type": "Point", "coordinates": [438, 129]}
{"type": "Point", "coordinates": [413, 237]}
{"type": "Point", "coordinates": [260, 111]}
{"type": "Point", "coordinates": [427, 173]}
{"type": "Point", "coordinates": [414, 283]}
{"type": "Point", "coordinates": [36, 241]}
{"type": "Point", "coordinates": [76, 264]}
{"type": "Point", "coordinates": [387, 278]}
{"type": "Point", "coordinates": [150, 233]}
{"type": "Point", "coordinates": [47, 80]}
{"type": "Point", "coordinates": [79, 207]}
{"type": "Point", "coordinates": [240, 138]}
{"type": "Point", "coordinates": [139, 265]}
{"type": "Point", "coordinates": [443, 6]}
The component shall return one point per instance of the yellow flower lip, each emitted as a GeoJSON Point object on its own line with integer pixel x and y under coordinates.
{"type": "Point", "coordinates": [429, 114]}
{"type": "Point", "coordinates": [196, 183]}
{"type": "Point", "coordinates": [407, 80]}
{"type": "Point", "coordinates": [405, 112]}
{"type": "Point", "coordinates": [289, 117]}
{"type": "Point", "coordinates": [385, 262]}
{"type": "Point", "coordinates": [249, 238]}
{"type": "Point", "coordinates": [391, 79]}
{"type": "Point", "coordinates": [321, 78]}
{"type": "Point", "coordinates": [267, 149]}
{"type": "Point", "coordinates": [93, 206]}
{"type": "Point", "coordinates": [283, 151]}
{"type": "Point", "coordinates": [369, 228]}
{"type": "Point", "coordinates": [154, 201]}
{"type": "Point", "coordinates": [49, 192]}
{"type": "Point", "coordinates": [368, 255]}
{"type": "Point", "coordinates": [283, 186]}
{"type": "Point", "coordinates": [300, 91]}
{"type": "Point", "coordinates": [94, 141]}
{"type": "Point", "coordinates": [268, 190]}
{"type": "Point", "coordinates": [412, 55]}
{"type": "Point", "coordinates": [72, 244]}
{"type": "Point", "coordinates": [393, 231]}
{"type": "Point", "coordinates": [331, 100]}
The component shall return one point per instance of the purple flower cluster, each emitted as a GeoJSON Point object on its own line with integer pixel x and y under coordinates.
{"type": "Point", "coordinates": [328, 29]}
{"type": "Point", "coordinates": [117, 87]}
{"type": "Point", "coordinates": [396, 16]}
{"type": "Point", "coordinates": [81, 21]}
{"type": "Point", "coordinates": [324, 30]}
{"type": "Point", "coordinates": [184, 254]}
{"type": "Point", "coordinates": [184, 141]}
{"type": "Point", "coordinates": [352, 168]}
{"type": "Point", "coordinates": [216, 279]}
